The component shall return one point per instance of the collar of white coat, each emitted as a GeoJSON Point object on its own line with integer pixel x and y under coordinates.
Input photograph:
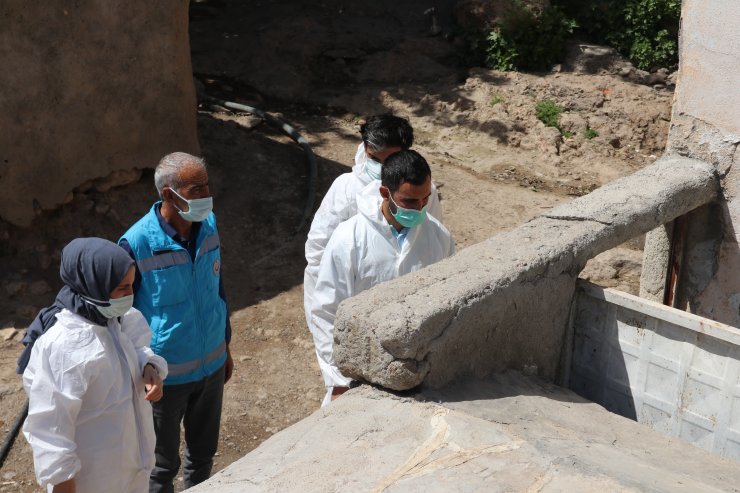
{"type": "Point", "coordinates": [70, 318]}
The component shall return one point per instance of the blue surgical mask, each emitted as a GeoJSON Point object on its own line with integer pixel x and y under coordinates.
{"type": "Point", "coordinates": [408, 218]}
{"type": "Point", "coordinates": [198, 209]}
{"type": "Point", "coordinates": [373, 168]}
{"type": "Point", "coordinates": [117, 307]}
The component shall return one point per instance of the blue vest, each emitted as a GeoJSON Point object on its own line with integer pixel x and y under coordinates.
{"type": "Point", "coordinates": [180, 299]}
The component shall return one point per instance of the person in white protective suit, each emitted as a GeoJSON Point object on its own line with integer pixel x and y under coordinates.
{"type": "Point", "coordinates": [89, 374]}
{"type": "Point", "coordinates": [391, 235]}
{"type": "Point", "coordinates": [382, 135]}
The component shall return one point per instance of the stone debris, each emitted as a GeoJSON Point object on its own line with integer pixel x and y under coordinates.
{"type": "Point", "coordinates": [9, 333]}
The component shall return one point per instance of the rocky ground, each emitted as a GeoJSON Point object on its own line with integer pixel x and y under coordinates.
{"type": "Point", "coordinates": [322, 67]}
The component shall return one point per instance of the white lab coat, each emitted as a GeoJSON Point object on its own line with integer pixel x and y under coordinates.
{"type": "Point", "coordinates": [361, 253]}
{"type": "Point", "coordinates": [87, 417]}
{"type": "Point", "coordinates": [340, 204]}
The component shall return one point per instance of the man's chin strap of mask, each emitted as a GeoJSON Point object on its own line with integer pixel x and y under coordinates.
{"type": "Point", "coordinates": [198, 209]}
{"type": "Point", "coordinates": [114, 307]}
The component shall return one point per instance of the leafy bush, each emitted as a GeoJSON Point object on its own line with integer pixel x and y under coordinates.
{"type": "Point", "coordinates": [501, 54]}
{"type": "Point", "coordinates": [526, 40]}
{"type": "Point", "coordinates": [548, 112]}
{"type": "Point", "coordinates": [645, 31]}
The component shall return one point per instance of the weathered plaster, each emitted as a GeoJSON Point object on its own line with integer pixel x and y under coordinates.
{"type": "Point", "coordinates": [86, 89]}
{"type": "Point", "coordinates": [706, 125]}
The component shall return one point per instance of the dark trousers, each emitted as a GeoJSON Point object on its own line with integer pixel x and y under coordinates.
{"type": "Point", "coordinates": [198, 406]}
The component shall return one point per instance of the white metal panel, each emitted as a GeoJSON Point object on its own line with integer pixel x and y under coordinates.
{"type": "Point", "coordinates": [671, 370]}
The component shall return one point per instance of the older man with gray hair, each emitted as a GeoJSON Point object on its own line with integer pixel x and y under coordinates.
{"type": "Point", "coordinates": [179, 290]}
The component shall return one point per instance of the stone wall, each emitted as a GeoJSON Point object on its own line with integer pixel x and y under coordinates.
{"type": "Point", "coordinates": [88, 89]}
{"type": "Point", "coordinates": [504, 303]}
{"type": "Point", "coordinates": [705, 125]}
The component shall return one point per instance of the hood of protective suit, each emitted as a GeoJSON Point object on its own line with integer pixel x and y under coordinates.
{"type": "Point", "coordinates": [359, 168]}
{"type": "Point", "coordinates": [369, 202]}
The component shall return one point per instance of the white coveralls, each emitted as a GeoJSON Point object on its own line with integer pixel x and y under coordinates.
{"type": "Point", "coordinates": [340, 204]}
{"type": "Point", "coordinates": [87, 417]}
{"type": "Point", "coordinates": [361, 253]}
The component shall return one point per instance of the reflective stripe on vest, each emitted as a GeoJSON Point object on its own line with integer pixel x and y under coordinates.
{"type": "Point", "coordinates": [163, 260]}
{"type": "Point", "coordinates": [190, 366]}
{"type": "Point", "coordinates": [177, 257]}
{"type": "Point", "coordinates": [210, 243]}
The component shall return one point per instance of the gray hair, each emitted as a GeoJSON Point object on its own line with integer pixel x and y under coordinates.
{"type": "Point", "coordinates": [167, 173]}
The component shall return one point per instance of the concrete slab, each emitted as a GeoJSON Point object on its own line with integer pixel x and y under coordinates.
{"type": "Point", "coordinates": [505, 433]}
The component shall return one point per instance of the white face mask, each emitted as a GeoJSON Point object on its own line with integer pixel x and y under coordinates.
{"type": "Point", "coordinates": [198, 209]}
{"type": "Point", "coordinates": [117, 307]}
{"type": "Point", "coordinates": [373, 168]}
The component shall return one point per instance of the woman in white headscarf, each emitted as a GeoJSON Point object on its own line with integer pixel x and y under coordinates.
{"type": "Point", "coordinates": [89, 374]}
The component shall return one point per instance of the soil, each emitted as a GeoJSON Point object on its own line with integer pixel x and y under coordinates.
{"type": "Point", "coordinates": [322, 67]}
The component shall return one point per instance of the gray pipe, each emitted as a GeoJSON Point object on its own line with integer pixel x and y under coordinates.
{"type": "Point", "coordinates": [291, 132]}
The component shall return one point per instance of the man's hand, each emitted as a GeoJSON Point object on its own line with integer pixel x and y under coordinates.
{"type": "Point", "coordinates": [152, 383]}
{"type": "Point", "coordinates": [229, 365]}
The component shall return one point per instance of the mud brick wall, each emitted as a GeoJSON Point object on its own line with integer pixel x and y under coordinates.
{"type": "Point", "coordinates": [88, 89]}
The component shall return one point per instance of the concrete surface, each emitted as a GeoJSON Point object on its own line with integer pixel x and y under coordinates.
{"type": "Point", "coordinates": [709, 61]}
{"type": "Point", "coordinates": [88, 89]}
{"type": "Point", "coordinates": [504, 303]}
{"type": "Point", "coordinates": [706, 125]}
{"type": "Point", "coordinates": [656, 255]}
{"type": "Point", "coordinates": [668, 369]}
{"type": "Point", "coordinates": [508, 433]}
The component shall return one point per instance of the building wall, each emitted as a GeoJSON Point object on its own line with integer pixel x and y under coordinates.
{"type": "Point", "coordinates": [706, 125]}
{"type": "Point", "coordinates": [87, 89]}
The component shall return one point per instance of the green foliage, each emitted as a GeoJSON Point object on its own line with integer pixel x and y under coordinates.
{"type": "Point", "coordinates": [526, 40]}
{"type": "Point", "coordinates": [646, 37]}
{"type": "Point", "coordinates": [548, 112]}
{"type": "Point", "coordinates": [646, 53]}
{"type": "Point", "coordinates": [645, 31]}
{"type": "Point", "coordinates": [590, 133]}
{"type": "Point", "coordinates": [496, 98]}
{"type": "Point", "coordinates": [501, 54]}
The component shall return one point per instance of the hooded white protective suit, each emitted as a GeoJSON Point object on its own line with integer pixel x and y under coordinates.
{"type": "Point", "coordinates": [87, 417]}
{"type": "Point", "coordinates": [340, 204]}
{"type": "Point", "coordinates": [363, 252]}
